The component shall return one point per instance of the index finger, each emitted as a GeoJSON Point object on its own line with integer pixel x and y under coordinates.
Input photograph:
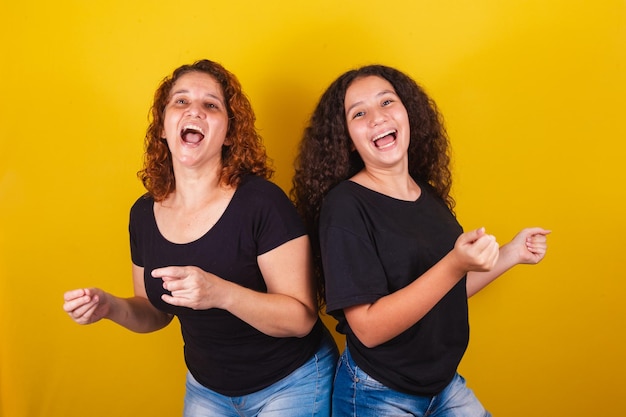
{"type": "Point", "coordinates": [169, 272]}
{"type": "Point", "coordinates": [532, 231]}
{"type": "Point", "coordinates": [74, 294]}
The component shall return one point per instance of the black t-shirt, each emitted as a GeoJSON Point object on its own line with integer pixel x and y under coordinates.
{"type": "Point", "coordinates": [373, 245]}
{"type": "Point", "coordinates": [223, 352]}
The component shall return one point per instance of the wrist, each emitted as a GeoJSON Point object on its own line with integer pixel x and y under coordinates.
{"type": "Point", "coordinates": [456, 268]}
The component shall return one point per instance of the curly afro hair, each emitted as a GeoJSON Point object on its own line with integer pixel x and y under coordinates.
{"type": "Point", "coordinates": [326, 155]}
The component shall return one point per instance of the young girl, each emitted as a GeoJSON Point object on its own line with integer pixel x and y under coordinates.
{"type": "Point", "coordinates": [372, 183]}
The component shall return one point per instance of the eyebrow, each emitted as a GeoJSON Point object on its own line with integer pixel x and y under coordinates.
{"type": "Point", "coordinates": [382, 93]}
{"type": "Point", "coordinates": [183, 91]}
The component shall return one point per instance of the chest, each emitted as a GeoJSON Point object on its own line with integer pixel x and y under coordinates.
{"type": "Point", "coordinates": [180, 224]}
{"type": "Point", "coordinates": [409, 240]}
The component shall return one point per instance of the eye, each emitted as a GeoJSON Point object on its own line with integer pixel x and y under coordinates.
{"type": "Point", "coordinates": [180, 101]}
{"type": "Point", "coordinates": [387, 102]}
{"type": "Point", "coordinates": [358, 114]}
{"type": "Point", "coordinates": [210, 105]}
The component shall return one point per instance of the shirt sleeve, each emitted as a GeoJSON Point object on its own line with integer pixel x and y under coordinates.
{"type": "Point", "coordinates": [352, 270]}
{"type": "Point", "coordinates": [139, 214]}
{"type": "Point", "coordinates": [276, 219]}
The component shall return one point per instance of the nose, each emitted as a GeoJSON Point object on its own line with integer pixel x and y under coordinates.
{"type": "Point", "coordinates": [377, 117]}
{"type": "Point", "coordinates": [195, 110]}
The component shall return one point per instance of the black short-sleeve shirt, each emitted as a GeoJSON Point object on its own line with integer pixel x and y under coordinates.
{"type": "Point", "coordinates": [373, 245]}
{"type": "Point", "coordinates": [223, 352]}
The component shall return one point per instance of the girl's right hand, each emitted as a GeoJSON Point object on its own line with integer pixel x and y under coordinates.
{"type": "Point", "coordinates": [476, 251]}
{"type": "Point", "coordinates": [86, 306]}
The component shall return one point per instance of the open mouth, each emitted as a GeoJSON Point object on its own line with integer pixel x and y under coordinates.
{"type": "Point", "coordinates": [385, 139]}
{"type": "Point", "coordinates": [191, 134]}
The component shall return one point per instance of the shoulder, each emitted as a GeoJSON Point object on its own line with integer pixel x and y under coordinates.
{"type": "Point", "coordinates": [142, 204]}
{"type": "Point", "coordinates": [343, 192]}
{"type": "Point", "coordinates": [266, 208]}
{"type": "Point", "coordinates": [429, 195]}
{"type": "Point", "coordinates": [141, 213]}
{"type": "Point", "coordinates": [254, 183]}
{"type": "Point", "coordinates": [349, 196]}
{"type": "Point", "coordinates": [346, 203]}
{"type": "Point", "coordinates": [427, 188]}
{"type": "Point", "coordinates": [260, 198]}
{"type": "Point", "coordinates": [258, 189]}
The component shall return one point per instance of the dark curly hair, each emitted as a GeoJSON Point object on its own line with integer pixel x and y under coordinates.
{"type": "Point", "coordinates": [245, 153]}
{"type": "Point", "coordinates": [326, 155]}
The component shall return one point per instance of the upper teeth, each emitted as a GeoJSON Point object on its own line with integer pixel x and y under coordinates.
{"type": "Point", "coordinates": [382, 135]}
{"type": "Point", "coordinates": [194, 128]}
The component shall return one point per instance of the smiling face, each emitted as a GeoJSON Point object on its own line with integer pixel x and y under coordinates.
{"type": "Point", "coordinates": [378, 123]}
{"type": "Point", "coordinates": [196, 120]}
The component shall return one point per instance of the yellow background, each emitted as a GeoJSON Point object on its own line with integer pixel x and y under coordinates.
{"type": "Point", "coordinates": [533, 93]}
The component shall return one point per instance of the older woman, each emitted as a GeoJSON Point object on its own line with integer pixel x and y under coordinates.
{"type": "Point", "coordinates": [216, 244]}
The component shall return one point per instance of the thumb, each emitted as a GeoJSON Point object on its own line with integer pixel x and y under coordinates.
{"type": "Point", "coordinates": [473, 235]}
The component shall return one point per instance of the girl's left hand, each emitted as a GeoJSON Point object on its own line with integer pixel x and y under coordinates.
{"type": "Point", "coordinates": [531, 244]}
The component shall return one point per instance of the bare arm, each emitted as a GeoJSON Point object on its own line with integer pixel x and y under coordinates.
{"type": "Point", "coordinates": [527, 247]}
{"type": "Point", "coordinates": [391, 315]}
{"type": "Point", "coordinates": [89, 305]}
{"type": "Point", "coordinates": [287, 309]}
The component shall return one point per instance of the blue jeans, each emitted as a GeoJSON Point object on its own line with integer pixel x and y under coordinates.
{"type": "Point", "coordinates": [304, 392]}
{"type": "Point", "coordinates": [358, 394]}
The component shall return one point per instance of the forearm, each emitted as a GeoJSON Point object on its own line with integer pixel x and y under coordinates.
{"type": "Point", "coordinates": [276, 315]}
{"type": "Point", "coordinates": [395, 313]}
{"type": "Point", "coordinates": [476, 281]}
{"type": "Point", "coordinates": [137, 314]}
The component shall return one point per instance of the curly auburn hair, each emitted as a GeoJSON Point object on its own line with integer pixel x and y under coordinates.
{"type": "Point", "coordinates": [245, 154]}
{"type": "Point", "coordinates": [326, 155]}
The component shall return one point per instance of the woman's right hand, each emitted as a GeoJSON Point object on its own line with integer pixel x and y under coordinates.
{"type": "Point", "coordinates": [86, 306]}
{"type": "Point", "coordinates": [476, 251]}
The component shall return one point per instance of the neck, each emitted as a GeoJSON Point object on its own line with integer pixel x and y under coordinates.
{"type": "Point", "coordinates": [398, 185]}
{"type": "Point", "coordinates": [194, 187]}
